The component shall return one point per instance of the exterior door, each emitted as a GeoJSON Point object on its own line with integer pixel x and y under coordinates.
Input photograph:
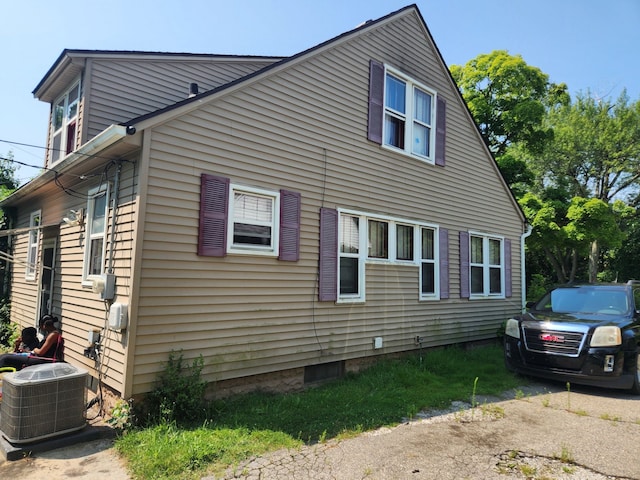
{"type": "Point", "coordinates": [47, 271]}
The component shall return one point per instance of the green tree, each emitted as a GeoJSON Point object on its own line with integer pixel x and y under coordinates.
{"type": "Point", "coordinates": [8, 183]}
{"type": "Point", "coordinates": [566, 231]}
{"type": "Point", "coordinates": [594, 153]}
{"type": "Point", "coordinates": [508, 99]}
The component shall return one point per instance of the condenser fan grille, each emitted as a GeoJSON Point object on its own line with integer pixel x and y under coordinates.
{"type": "Point", "coordinates": [40, 408]}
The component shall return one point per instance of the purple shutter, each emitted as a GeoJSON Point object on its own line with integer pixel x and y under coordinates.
{"type": "Point", "coordinates": [444, 263]}
{"type": "Point", "coordinates": [464, 265]}
{"type": "Point", "coordinates": [376, 96]}
{"type": "Point", "coordinates": [328, 265]}
{"type": "Point", "coordinates": [441, 129]}
{"type": "Point", "coordinates": [507, 268]}
{"type": "Point", "coordinates": [289, 226]}
{"type": "Point", "coordinates": [214, 207]}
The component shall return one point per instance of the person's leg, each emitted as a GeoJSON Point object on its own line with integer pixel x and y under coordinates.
{"type": "Point", "coordinates": [14, 360]}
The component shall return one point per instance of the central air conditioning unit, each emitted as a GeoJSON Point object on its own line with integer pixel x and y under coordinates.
{"type": "Point", "coordinates": [43, 401]}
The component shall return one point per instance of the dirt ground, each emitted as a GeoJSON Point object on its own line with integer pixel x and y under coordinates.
{"type": "Point", "coordinates": [540, 433]}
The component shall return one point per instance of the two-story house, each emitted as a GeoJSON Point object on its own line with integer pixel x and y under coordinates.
{"type": "Point", "coordinates": [288, 219]}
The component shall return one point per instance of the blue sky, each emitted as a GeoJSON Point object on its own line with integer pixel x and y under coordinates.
{"type": "Point", "coordinates": [588, 44]}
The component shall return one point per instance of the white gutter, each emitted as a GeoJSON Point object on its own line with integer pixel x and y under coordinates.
{"type": "Point", "coordinates": [523, 280]}
{"type": "Point", "coordinates": [104, 139]}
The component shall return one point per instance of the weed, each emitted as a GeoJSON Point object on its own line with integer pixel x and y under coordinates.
{"type": "Point", "coordinates": [546, 402]}
{"type": "Point", "coordinates": [581, 413]}
{"type": "Point", "coordinates": [519, 394]}
{"type": "Point", "coordinates": [179, 393]}
{"type": "Point", "coordinates": [493, 411]}
{"type": "Point", "coordinates": [613, 418]}
{"type": "Point", "coordinates": [568, 470]}
{"type": "Point", "coordinates": [568, 397]}
{"type": "Point", "coordinates": [528, 470]}
{"type": "Point", "coordinates": [121, 416]}
{"type": "Point", "coordinates": [565, 455]}
{"type": "Point", "coordinates": [473, 393]}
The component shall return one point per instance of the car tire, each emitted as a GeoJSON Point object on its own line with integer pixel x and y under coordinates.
{"type": "Point", "coordinates": [635, 389]}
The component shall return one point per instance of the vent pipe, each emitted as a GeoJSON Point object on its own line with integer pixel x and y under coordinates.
{"type": "Point", "coordinates": [193, 89]}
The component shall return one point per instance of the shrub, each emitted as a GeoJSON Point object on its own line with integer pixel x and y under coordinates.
{"type": "Point", "coordinates": [7, 329]}
{"type": "Point", "coordinates": [178, 396]}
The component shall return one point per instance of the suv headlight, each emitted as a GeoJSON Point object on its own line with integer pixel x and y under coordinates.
{"type": "Point", "coordinates": [606, 337]}
{"type": "Point", "coordinates": [512, 328]}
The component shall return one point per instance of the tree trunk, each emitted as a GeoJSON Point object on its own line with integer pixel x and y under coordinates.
{"type": "Point", "coordinates": [594, 258]}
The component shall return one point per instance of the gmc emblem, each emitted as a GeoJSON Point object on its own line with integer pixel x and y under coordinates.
{"type": "Point", "coordinates": [547, 337]}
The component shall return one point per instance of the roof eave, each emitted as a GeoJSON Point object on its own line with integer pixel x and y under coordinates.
{"type": "Point", "coordinates": [105, 139]}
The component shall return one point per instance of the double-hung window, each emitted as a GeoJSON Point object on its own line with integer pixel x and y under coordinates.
{"type": "Point", "coordinates": [428, 264]}
{"type": "Point", "coordinates": [64, 123]}
{"type": "Point", "coordinates": [408, 116]}
{"type": "Point", "coordinates": [487, 273]}
{"type": "Point", "coordinates": [34, 244]}
{"type": "Point", "coordinates": [351, 265]}
{"type": "Point", "coordinates": [254, 222]}
{"type": "Point", "coordinates": [97, 210]}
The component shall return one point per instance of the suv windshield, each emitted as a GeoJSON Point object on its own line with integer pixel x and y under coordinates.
{"type": "Point", "coordinates": [585, 300]}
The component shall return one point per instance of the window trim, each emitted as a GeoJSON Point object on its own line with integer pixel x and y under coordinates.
{"type": "Point", "coordinates": [487, 266]}
{"type": "Point", "coordinates": [274, 248]}
{"type": "Point", "coordinates": [90, 235]}
{"type": "Point", "coordinates": [33, 245]}
{"type": "Point", "coordinates": [408, 116]}
{"type": "Point", "coordinates": [63, 149]}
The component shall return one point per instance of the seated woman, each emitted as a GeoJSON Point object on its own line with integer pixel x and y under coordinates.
{"type": "Point", "coordinates": [51, 349]}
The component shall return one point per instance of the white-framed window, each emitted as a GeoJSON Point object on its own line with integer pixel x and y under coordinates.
{"type": "Point", "coordinates": [33, 246]}
{"type": "Point", "coordinates": [364, 238]}
{"type": "Point", "coordinates": [96, 225]}
{"type": "Point", "coordinates": [351, 271]}
{"type": "Point", "coordinates": [428, 263]}
{"type": "Point", "coordinates": [409, 116]}
{"type": "Point", "coordinates": [487, 265]}
{"type": "Point", "coordinates": [64, 123]}
{"type": "Point", "coordinates": [253, 221]}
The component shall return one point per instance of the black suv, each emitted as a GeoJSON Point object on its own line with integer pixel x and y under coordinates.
{"type": "Point", "coordinates": [586, 334]}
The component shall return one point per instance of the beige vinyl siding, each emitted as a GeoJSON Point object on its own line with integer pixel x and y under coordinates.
{"type": "Point", "coordinates": [304, 129]}
{"type": "Point", "coordinates": [78, 308]}
{"type": "Point", "coordinates": [124, 89]}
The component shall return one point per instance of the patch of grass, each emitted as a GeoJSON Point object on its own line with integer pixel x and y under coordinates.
{"type": "Point", "coordinates": [237, 428]}
{"type": "Point", "coordinates": [565, 455]}
{"type": "Point", "coordinates": [170, 452]}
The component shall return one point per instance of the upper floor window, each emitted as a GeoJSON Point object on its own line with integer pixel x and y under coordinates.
{"type": "Point", "coordinates": [34, 244]}
{"type": "Point", "coordinates": [408, 116]}
{"type": "Point", "coordinates": [487, 273]}
{"type": "Point", "coordinates": [97, 210]}
{"type": "Point", "coordinates": [64, 123]}
{"type": "Point", "coordinates": [405, 115]}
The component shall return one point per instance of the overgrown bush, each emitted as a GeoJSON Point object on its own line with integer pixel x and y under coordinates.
{"type": "Point", "coordinates": [178, 396]}
{"type": "Point", "coordinates": [7, 329]}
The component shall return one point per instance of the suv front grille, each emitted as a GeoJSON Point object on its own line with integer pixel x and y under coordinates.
{"type": "Point", "coordinates": [553, 341]}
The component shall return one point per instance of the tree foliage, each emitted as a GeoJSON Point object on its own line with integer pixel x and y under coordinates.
{"type": "Point", "coordinates": [508, 99]}
{"type": "Point", "coordinates": [574, 165]}
{"type": "Point", "coordinates": [595, 149]}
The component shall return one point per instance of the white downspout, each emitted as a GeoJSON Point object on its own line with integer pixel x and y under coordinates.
{"type": "Point", "coordinates": [523, 280]}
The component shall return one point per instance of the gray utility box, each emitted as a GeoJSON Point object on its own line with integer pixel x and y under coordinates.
{"type": "Point", "coordinates": [43, 401]}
